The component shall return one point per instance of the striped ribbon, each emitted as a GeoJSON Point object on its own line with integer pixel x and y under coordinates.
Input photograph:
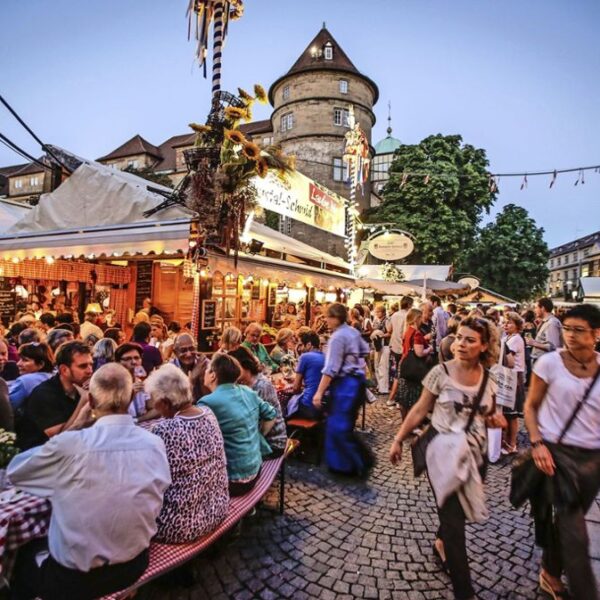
{"type": "Point", "coordinates": [218, 45]}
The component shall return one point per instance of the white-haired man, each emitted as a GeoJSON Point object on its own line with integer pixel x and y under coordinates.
{"type": "Point", "coordinates": [106, 484]}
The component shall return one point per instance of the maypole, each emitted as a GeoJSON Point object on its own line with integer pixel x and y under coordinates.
{"type": "Point", "coordinates": [356, 156]}
{"type": "Point", "coordinates": [217, 46]}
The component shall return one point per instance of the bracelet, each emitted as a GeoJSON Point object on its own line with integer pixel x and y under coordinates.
{"type": "Point", "coordinates": [537, 443]}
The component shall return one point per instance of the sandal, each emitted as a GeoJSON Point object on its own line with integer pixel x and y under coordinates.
{"type": "Point", "coordinates": [443, 563]}
{"type": "Point", "coordinates": [550, 591]}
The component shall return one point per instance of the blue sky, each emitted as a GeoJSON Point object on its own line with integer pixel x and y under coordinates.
{"type": "Point", "coordinates": [518, 78]}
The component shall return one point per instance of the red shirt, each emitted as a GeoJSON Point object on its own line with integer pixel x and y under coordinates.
{"type": "Point", "coordinates": [409, 342]}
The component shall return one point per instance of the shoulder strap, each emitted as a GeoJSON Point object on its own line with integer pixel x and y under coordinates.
{"type": "Point", "coordinates": [445, 369]}
{"type": "Point", "coordinates": [478, 398]}
{"type": "Point", "coordinates": [579, 406]}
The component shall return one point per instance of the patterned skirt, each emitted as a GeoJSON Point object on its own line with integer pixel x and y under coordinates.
{"type": "Point", "coordinates": [408, 393]}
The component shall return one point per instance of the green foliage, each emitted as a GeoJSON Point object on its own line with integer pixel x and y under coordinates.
{"type": "Point", "coordinates": [442, 204]}
{"type": "Point", "coordinates": [271, 219]}
{"type": "Point", "coordinates": [150, 175]}
{"type": "Point", "coordinates": [510, 255]}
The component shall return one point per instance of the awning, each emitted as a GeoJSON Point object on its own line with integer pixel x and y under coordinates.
{"type": "Point", "coordinates": [387, 288]}
{"type": "Point", "coordinates": [410, 272]}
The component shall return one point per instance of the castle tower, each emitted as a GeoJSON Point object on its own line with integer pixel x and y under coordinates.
{"type": "Point", "coordinates": [310, 119]}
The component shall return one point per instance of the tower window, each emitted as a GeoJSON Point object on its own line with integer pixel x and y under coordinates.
{"type": "Point", "coordinates": [341, 117]}
{"type": "Point", "coordinates": [18, 184]}
{"type": "Point", "coordinates": [340, 170]}
{"type": "Point", "coordinates": [33, 181]}
{"type": "Point", "coordinates": [287, 122]}
{"type": "Point", "coordinates": [286, 92]}
{"type": "Point", "coordinates": [328, 51]}
{"type": "Point", "coordinates": [343, 86]}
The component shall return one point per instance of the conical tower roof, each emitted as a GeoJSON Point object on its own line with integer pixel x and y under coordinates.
{"type": "Point", "coordinates": [313, 59]}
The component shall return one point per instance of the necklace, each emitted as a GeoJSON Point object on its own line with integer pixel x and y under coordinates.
{"type": "Point", "coordinates": [581, 363]}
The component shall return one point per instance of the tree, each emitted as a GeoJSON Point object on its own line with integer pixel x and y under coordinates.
{"type": "Point", "coordinates": [437, 191]}
{"type": "Point", "coordinates": [148, 174]}
{"type": "Point", "coordinates": [510, 255]}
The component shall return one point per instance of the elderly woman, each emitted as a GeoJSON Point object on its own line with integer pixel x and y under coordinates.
{"type": "Point", "coordinates": [562, 416]}
{"type": "Point", "coordinates": [462, 396]}
{"type": "Point", "coordinates": [285, 343]}
{"type": "Point", "coordinates": [252, 342]}
{"type": "Point", "coordinates": [344, 376]}
{"type": "Point", "coordinates": [36, 364]}
{"type": "Point", "coordinates": [197, 500]}
{"type": "Point", "coordinates": [59, 336]}
{"type": "Point", "coordinates": [231, 339]}
{"type": "Point", "coordinates": [253, 378]}
{"type": "Point", "coordinates": [242, 417]}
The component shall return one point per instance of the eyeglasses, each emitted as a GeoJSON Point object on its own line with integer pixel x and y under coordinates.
{"type": "Point", "coordinates": [575, 330]}
{"type": "Point", "coordinates": [186, 350]}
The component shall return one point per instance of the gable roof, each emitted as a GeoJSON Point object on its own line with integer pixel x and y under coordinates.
{"type": "Point", "coordinates": [8, 171]}
{"type": "Point", "coordinates": [256, 127]}
{"type": "Point", "coordinates": [168, 151]}
{"type": "Point", "coordinates": [136, 145]}
{"type": "Point", "coordinates": [582, 242]}
{"type": "Point", "coordinates": [28, 169]}
{"type": "Point", "coordinates": [313, 59]}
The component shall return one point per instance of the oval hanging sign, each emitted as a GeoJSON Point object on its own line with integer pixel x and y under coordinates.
{"type": "Point", "coordinates": [391, 246]}
{"type": "Point", "coordinates": [469, 280]}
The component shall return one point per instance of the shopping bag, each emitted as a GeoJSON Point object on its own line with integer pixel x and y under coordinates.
{"type": "Point", "coordinates": [494, 438]}
{"type": "Point", "coordinates": [507, 382]}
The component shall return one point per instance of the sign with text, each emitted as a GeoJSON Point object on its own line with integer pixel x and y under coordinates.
{"type": "Point", "coordinates": [391, 246]}
{"type": "Point", "coordinates": [302, 199]}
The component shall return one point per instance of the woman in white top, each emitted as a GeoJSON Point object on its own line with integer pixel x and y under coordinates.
{"type": "Point", "coordinates": [514, 358]}
{"type": "Point", "coordinates": [559, 384]}
{"type": "Point", "coordinates": [450, 390]}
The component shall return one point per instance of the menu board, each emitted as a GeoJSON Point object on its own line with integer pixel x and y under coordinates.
{"type": "Point", "coordinates": [143, 283]}
{"type": "Point", "coordinates": [272, 297]}
{"type": "Point", "coordinates": [209, 314]}
{"type": "Point", "coordinates": [8, 301]}
{"type": "Point", "coordinates": [256, 291]}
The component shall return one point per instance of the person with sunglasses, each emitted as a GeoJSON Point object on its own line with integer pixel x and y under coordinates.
{"type": "Point", "coordinates": [191, 362]}
{"type": "Point", "coordinates": [562, 416]}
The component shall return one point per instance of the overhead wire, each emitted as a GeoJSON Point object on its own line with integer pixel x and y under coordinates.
{"type": "Point", "coordinates": [18, 150]}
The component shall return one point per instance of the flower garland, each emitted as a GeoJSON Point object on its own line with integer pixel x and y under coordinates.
{"type": "Point", "coordinates": [389, 272]}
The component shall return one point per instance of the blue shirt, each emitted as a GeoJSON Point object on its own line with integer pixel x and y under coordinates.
{"type": "Point", "coordinates": [345, 351]}
{"type": "Point", "coordinates": [20, 388]}
{"type": "Point", "coordinates": [310, 367]}
{"type": "Point", "coordinates": [239, 411]}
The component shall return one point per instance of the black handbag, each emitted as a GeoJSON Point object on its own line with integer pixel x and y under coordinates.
{"type": "Point", "coordinates": [525, 477]}
{"type": "Point", "coordinates": [412, 367]}
{"type": "Point", "coordinates": [418, 448]}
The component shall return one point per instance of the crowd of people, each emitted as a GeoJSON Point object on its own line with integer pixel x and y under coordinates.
{"type": "Point", "coordinates": [90, 405]}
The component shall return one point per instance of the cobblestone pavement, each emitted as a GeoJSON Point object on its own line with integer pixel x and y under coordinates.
{"type": "Point", "coordinates": [345, 539]}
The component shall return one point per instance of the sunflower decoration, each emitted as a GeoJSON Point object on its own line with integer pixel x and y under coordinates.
{"type": "Point", "coordinates": [245, 96]}
{"type": "Point", "coordinates": [235, 136]}
{"type": "Point", "coordinates": [200, 131]}
{"type": "Point", "coordinates": [236, 114]}
{"type": "Point", "coordinates": [262, 167]}
{"type": "Point", "coordinates": [260, 93]}
{"type": "Point", "coordinates": [251, 151]}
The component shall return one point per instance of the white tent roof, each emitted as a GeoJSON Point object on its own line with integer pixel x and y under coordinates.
{"type": "Point", "coordinates": [411, 272]}
{"type": "Point", "coordinates": [590, 287]}
{"type": "Point", "coordinates": [10, 213]}
{"type": "Point", "coordinates": [96, 195]}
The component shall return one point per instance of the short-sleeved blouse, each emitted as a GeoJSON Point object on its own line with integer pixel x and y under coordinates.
{"type": "Point", "coordinates": [197, 500]}
{"type": "Point", "coordinates": [454, 401]}
{"type": "Point", "coordinates": [412, 337]}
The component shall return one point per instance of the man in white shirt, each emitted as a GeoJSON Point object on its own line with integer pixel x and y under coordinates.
{"type": "Point", "coordinates": [549, 332]}
{"type": "Point", "coordinates": [89, 327]}
{"type": "Point", "coordinates": [439, 320]}
{"type": "Point", "coordinates": [106, 486]}
{"type": "Point", "coordinates": [398, 324]}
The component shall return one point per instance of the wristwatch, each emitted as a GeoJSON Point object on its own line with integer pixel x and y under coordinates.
{"type": "Point", "coordinates": [537, 443]}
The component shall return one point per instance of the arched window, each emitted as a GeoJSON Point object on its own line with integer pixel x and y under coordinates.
{"type": "Point", "coordinates": [328, 51]}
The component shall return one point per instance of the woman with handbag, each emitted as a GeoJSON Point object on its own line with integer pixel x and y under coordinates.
{"type": "Point", "coordinates": [382, 331]}
{"type": "Point", "coordinates": [415, 350]}
{"type": "Point", "coordinates": [461, 395]}
{"type": "Point", "coordinates": [562, 416]}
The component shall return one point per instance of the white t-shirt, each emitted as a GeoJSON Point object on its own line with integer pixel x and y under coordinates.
{"type": "Point", "coordinates": [398, 320]}
{"type": "Point", "coordinates": [516, 345]}
{"type": "Point", "coordinates": [562, 396]}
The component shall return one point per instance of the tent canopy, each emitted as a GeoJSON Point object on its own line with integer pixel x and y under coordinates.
{"type": "Point", "coordinates": [11, 212]}
{"type": "Point", "coordinates": [411, 272]}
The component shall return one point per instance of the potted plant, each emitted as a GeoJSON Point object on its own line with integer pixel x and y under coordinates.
{"type": "Point", "coordinates": [8, 451]}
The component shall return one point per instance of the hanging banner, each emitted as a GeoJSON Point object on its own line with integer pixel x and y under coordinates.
{"type": "Point", "coordinates": [302, 199]}
{"type": "Point", "coordinates": [391, 246]}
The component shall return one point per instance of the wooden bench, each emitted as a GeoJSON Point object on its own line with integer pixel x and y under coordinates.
{"type": "Point", "coordinates": [307, 428]}
{"type": "Point", "coordinates": [166, 557]}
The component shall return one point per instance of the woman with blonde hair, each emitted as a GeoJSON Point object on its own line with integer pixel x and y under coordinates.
{"type": "Point", "coordinates": [285, 342]}
{"type": "Point", "coordinates": [231, 339]}
{"type": "Point", "coordinates": [461, 395]}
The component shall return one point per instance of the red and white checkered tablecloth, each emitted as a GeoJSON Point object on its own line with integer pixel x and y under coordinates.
{"type": "Point", "coordinates": [24, 519]}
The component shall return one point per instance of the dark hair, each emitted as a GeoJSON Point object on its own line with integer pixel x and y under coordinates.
{"type": "Point", "coordinates": [406, 302]}
{"type": "Point", "coordinates": [15, 330]}
{"type": "Point", "coordinates": [338, 311]}
{"type": "Point", "coordinates": [452, 308]}
{"type": "Point", "coordinates": [65, 317]}
{"type": "Point", "coordinates": [66, 327]}
{"type": "Point", "coordinates": [360, 309]}
{"type": "Point", "coordinates": [127, 347]}
{"type": "Point", "coordinates": [112, 333]}
{"type": "Point", "coordinates": [312, 337]}
{"type": "Point", "coordinates": [433, 298]}
{"type": "Point", "coordinates": [546, 304]}
{"type": "Point", "coordinates": [529, 316]}
{"type": "Point", "coordinates": [586, 312]}
{"type": "Point", "coordinates": [226, 368]}
{"type": "Point", "coordinates": [40, 353]}
{"type": "Point", "coordinates": [29, 335]}
{"type": "Point", "coordinates": [66, 352]}
{"type": "Point", "coordinates": [246, 359]}
{"type": "Point", "coordinates": [48, 319]}
{"type": "Point", "coordinates": [174, 326]}
{"type": "Point", "coordinates": [141, 332]}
